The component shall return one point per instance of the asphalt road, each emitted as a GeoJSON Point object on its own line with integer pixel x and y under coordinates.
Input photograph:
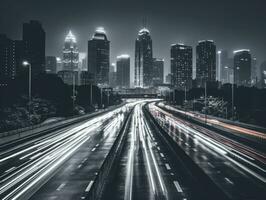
{"type": "Point", "coordinates": [60, 165]}
{"type": "Point", "coordinates": [145, 171]}
{"type": "Point", "coordinates": [238, 170]}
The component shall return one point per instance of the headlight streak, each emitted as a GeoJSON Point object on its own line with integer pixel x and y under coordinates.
{"type": "Point", "coordinates": [221, 148]}
{"type": "Point", "coordinates": [51, 153]}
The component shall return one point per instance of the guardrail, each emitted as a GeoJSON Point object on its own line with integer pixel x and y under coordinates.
{"type": "Point", "coordinates": [109, 165]}
{"type": "Point", "coordinates": [32, 131]}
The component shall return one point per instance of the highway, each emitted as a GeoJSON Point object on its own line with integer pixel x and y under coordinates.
{"type": "Point", "coordinates": [73, 153]}
{"type": "Point", "coordinates": [145, 170]}
{"type": "Point", "coordinates": [237, 169]}
{"type": "Point", "coordinates": [163, 157]}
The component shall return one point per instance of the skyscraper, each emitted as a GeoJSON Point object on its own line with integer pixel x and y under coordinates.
{"type": "Point", "coordinates": [113, 75]}
{"type": "Point", "coordinates": [168, 78]}
{"type": "Point", "coordinates": [11, 57]}
{"type": "Point", "coordinates": [263, 75]}
{"type": "Point", "coordinates": [181, 66]}
{"type": "Point", "coordinates": [70, 53]}
{"type": "Point", "coordinates": [70, 74]}
{"type": "Point", "coordinates": [123, 71]}
{"type": "Point", "coordinates": [143, 59]}
{"type": "Point", "coordinates": [99, 57]}
{"type": "Point", "coordinates": [254, 72]}
{"type": "Point", "coordinates": [7, 61]}
{"type": "Point", "coordinates": [205, 62]}
{"type": "Point", "coordinates": [34, 39]}
{"type": "Point", "coordinates": [50, 64]}
{"type": "Point", "coordinates": [242, 67]}
{"type": "Point", "coordinates": [223, 67]}
{"type": "Point", "coordinates": [157, 71]}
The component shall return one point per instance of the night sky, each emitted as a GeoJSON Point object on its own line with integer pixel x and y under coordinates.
{"type": "Point", "coordinates": [232, 24]}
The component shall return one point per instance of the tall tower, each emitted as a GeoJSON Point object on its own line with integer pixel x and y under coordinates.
{"type": "Point", "coordinates": [143, 59]}
{"type": "Point", "coordinates": [181, 66]}
{"type": "Point", "coordinates": [222, 70]}
{"type": "Point", "coordinates": [99, 57]}
{"type": "Point", "coordinates": [34, 40]}
{"type": "Point", "coordinates": [70, 53]}
{"type": "Point", "coordinates": [242, 67]}
{"type": "Point", "coordinates": [158, 71]}
{"type": "Point", "coordinates": [205, 62]}
{"type": "Point", "coordinates": [123, 71]}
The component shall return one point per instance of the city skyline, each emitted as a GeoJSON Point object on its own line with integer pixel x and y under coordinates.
{"type": "Point", "coordinates": [176, 27]}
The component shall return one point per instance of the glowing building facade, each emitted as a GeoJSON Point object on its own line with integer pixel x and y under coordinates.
{"type": "Point", "coordinates": [205, 62]}
{"type": "Point", "coordinates": [181, 66]}
{"type": "Point", "coordinates": [242, 67]}
{"type": "Point", "coordinates": [70, 53]}
{"type": "Point", "coordinates": [98, 58]}
{"type": "Point", "coordinates": [123, 71]}
{"type": "Point", "coordinates": [143, 59]}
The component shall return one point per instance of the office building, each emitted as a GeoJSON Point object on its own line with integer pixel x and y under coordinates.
{"type": "Point", "coordinates": [113, 76]}
{"type": "Point", "coordinates": [158, 71]}
{"type": "Point", "coordinates": [50, 64]}
{"type": "Point", "coordinates": [242, 67]}
{"type": "Point", "coordinates": [34, 40]}
{"type": "Point", "coordinates": [98, 58]}
{"type": "Point", "coordinates": [205, 62]}
{"type": "Point", "coordinates": [181, 66]}
{"type": "Point", "coordinates": [70, 53]}
{"type": "Point", "coordinates": [143, 59]}
{"type": "Point", "coordinates": [123, 71]}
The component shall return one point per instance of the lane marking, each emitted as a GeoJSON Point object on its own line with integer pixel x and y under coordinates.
{"type": "Point", "coordinates": [93, 149]}
{"type": "Point", "coordinates": [10, 169]}
{"type": "Point", "coordinates": [162, 155]}
{"type": "Point", "coordinates": [89, 186]}
{"type": "Point", "coordinates": [211, 165]}
{"type": "Point", "coordinates": [167, 166]}
{"type": "Point", "coordinates": [179, 189]}
{"type": "Point", "coordinates": [61, 186]}
{"type": "Point", "coordinates": [229, 181]}
{"type": "Point", "coordinates": [97, 145]}
{"type": "Point", "coordinates": [204, 157]}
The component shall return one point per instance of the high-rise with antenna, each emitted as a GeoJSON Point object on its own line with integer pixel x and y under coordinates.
{"type": "Point", "coordinates": [143, 58]}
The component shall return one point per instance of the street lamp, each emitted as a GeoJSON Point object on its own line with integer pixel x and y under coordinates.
{"type": "Point", "coordinates": [26, 63]}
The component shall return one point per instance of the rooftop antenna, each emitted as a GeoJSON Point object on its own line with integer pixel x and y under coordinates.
{"type": "Point", "coordinates": [144, 21]}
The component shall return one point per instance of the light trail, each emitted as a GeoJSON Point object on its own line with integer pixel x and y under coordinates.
{"type": "Point", "coordinates": [38, 161]}
{"type": "Point", "coordinates": [228, 148]}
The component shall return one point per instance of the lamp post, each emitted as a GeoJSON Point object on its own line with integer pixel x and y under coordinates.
{"type": "Point", "coordinates": [26, 63]}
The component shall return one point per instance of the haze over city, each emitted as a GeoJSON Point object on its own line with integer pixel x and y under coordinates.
{"type": "Point", "coordinates": [232, 25]}
{"type": "Point", "coordinates": [132, 100]}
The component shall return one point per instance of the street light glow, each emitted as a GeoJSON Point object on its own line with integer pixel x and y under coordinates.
{"type": "Point", "coordinates": [25, 63]}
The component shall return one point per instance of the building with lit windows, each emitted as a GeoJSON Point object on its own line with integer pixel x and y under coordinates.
{"type": "Point", "coordinates": [69, 74]}
{"type": "Point", "coordinates": [263, 75]}
{"type": "Point", "coordinates": [181, 66]}
{"type": "Point", "coordinates": [98, 58]}
{"type": "Point", "coordinates": [50, 64]}
{"type": "Point", "coordinates": [157, 71]}
{"type": "Point", "coordinates": [205, 62]}
{"type": "Point", "coordinates": [70, 53]}
{"type": "Point", "coordinates": [242, 67]}
{"type": "Point", "coordinates": [143, 59]}
{"type": "Point", "coordinates": [123, 71]}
